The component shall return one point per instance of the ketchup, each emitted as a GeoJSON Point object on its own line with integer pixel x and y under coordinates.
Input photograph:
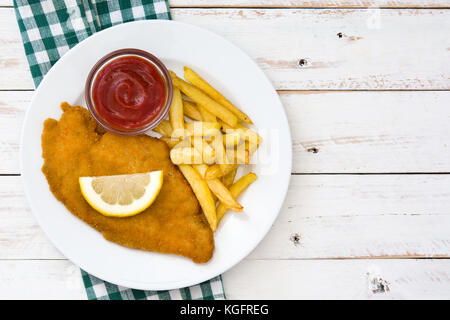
{"type": "Point", "coordinates": [129, 92]}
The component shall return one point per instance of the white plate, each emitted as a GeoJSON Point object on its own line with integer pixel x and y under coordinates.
{"type": "Point", "coordinates": [233, 73]}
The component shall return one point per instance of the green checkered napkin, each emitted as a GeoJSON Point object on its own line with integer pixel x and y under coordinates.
{"type": "Point", "coordinates": [49, 29]}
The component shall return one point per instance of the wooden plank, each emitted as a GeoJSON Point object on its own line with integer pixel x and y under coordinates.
{"type": "Point", "coordinates": [378, 49]}
{"type": "Point", "coordinates": [332, 279]}
{"type": "Point", "coordinates": [332, 132]}
{"type": "Point", "coordinates": [40, 279]}
{"type": "Point", "coordinates": [324, 216]}
{"type": "Point", "coordinates": [339, 279]}
{"type": "Point", "coordinates": [374, 52]}
{"type": "Point", "coordinates": [12, 111]}
{"type": "Point", "coordinates": [13, 63]}
{"type": "Point", "coordinates": [354, 216]}
{"type": "Point", "coordinates": [298, 3]}
{"type": "Point", "coordinates": [369, 131]}
{"type": "Point", "coordinates": [309, 3]}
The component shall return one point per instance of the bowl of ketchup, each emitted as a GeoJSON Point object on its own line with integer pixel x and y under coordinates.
{"type": "Point", "coordinates": [129, 91]}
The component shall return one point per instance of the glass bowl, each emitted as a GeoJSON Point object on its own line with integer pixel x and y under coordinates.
{"type": "Point", "coordinates": [105, 61]}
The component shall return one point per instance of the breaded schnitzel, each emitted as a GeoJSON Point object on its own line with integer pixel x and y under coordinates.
{"type": "Point", "coordinates": [76, 146]}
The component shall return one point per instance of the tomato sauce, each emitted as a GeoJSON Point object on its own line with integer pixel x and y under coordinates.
{"type": "Point", "coordinates": [129, 92]}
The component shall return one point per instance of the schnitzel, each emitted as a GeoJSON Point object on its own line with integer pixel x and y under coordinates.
{"type": "Point", "coordinates": [76, 146]}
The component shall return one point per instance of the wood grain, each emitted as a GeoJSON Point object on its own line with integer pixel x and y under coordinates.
{"type": "Point", "coordinates": [330, 224]}
{"type": "Point", "coordinates": [41, 280]}
{"type": "Point", "coordinates": [369, 131]}
{"type": "Point", "coordinates": [299, 3]}
{"type": "Point", "coordinates": [15, 72]}
{"type": "Point", "coordinates": [332, 132]}
{"type": "Point", "coordinates": [377, 50]}
{"type": "Point", "coordinates": [323, 217]}
{"type": "Point", "coordinates": [310, 3]}
{"type": "Point", "coordinates": [332, 279]}
{"type": "Point", "coordinates": [339, 279]}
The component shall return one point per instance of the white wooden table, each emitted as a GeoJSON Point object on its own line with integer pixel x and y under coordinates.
{"type": "Point", "coordinates": [368, 210]}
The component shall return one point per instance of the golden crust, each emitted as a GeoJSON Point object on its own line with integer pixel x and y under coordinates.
{"type": "Point", "coordinates": [76, 146]}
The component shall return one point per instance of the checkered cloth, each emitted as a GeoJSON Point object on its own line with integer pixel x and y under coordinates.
{"type": "Point", "coordinates": [49, 29]}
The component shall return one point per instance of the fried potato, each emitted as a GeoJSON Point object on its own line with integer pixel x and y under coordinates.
{"type": "Point", "coordinates": [198, 128]}
{"type": "Point", "coordinates": [201, 168]}
{"type": "Point", "coordinates": [251, 147]}
{"type": "Point", "coordinates": [220, 151]}
{"type": "Point", "coordinates": [185, 155]}
{"type": "Point", "coordinates": [185, 143]}
{"type": "Point", "coordinates": [228, 179]}
{"type": "Point", "coordinates": [224, 195]}
{"type": "Point", "coordinates": [219, 170]}
{"type": "Point", "coordinates": [245, 133]}
{"type": "Point", "coordinates": [164, 128]}
{"type": "Point", "coordinates": [239, 156]}
{"type": "Point", "coordinates": [206, 115]}
{"type": "Point", "coordinates": [190, 110]}
{"type": "Point", "coordinates": [232, 139]}
{"type": "Point", "coordinates": [204, 100]}
{"type": "Point", "coordinates": [207, 152]}
{"type": "Point", "coordinates": [200, 83]}
{"type": "Point", "coordinates": [202, 192]}
{"type": "Point", "coordinates": [176, 115]}
{"type": "Point", "coordinates": [171, 142]}
{"type": "Point", "coordinates": [237, 188]}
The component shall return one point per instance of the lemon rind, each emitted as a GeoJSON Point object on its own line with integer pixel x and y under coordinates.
{"type": "Point", "coordinates": [127, 214]}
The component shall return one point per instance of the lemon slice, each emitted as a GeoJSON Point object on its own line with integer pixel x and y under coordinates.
{"type": "Point", "coordinates": [122, 195]}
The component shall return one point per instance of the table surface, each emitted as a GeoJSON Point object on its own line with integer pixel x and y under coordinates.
{"type": "Point", "coordinates": [365, 85]}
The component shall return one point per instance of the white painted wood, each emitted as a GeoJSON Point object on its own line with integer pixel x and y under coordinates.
{"type": "Point", "coordinates": [339, 279]}
{"type": "Point", "coordinates": [320, 279]}
{"type": "Point", "coordinates": [298, 3]}
{"type": "Point", "coordinates": [351, 131]}
{"type": "Point", "coordinates": [12, 111]}
{"type": "Point", "coordinates": [334, 216]}
{"type": "Point", "coordinates": [308, 3]}
{"type": "Point", "coordinates": [375, 51]}
{"type": "Point", "coordinates": [40, 279]}
{"type": "Point", "coordinates": [369, 131]}
{"type": "Point", "coordinates": [324, 216]}
{"type": "Point", "coordinates": [15, 73]}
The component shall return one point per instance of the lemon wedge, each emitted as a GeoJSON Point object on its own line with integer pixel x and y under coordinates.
{"type": "Point", "coordinates": [122, 195]}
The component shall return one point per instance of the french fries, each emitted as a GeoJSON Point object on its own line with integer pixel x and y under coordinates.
{"type": "Point", "coordinates": [185, 143]}
{"type": "Point", "coordinates": [199, 128]}
{"type": "Point", "coordinates": [228, 179]}
{"type": "Point", "coordinates": [164, 128]}
{"type": "Point", "coordinates": [201, 168]}
{"type": "Point", "coordinates": [176, 115]}
{"type": "Point", "coordinates": [219, 170]}
{"type": "Point", "coordinates": [185, 155]}
{"type": "Point", "coordinates": [190, 110]}
{"type": "Point", "coordinates": [219, 189]}
{"type": "Point", "coordinates": [209, 150]}
{"type": "Point", "coordinates": [237, 188]}
{"type": "Point", "coordinates": [204, 100]}
{"type": "Point", "coordinates": [202, 192]}
{"type": "Point", "coordinates": [170, 141]}
{"type": "Point", "coordinates": [200, 83]}
{"type": "Point", "coordinates": [239, 155]}
{"type": "Point", "coordinates": [232, 139]}
{"type": "Point", "coordinates": [206, 115]}
{"type": "Point", "coordinates": [245, 133]}
{"type": "Point", "coordinates": [224, 195]}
